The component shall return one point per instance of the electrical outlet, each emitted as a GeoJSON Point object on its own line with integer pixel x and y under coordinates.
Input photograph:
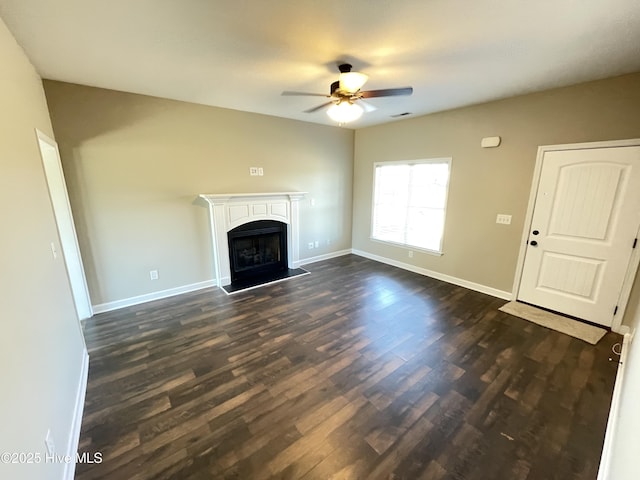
{"type": "Point", "coordinates": [503, 219]}
{"type": "Point", "coordinates": [153, 274]}
{"type": "Point", "coordinates": [410, 253]}
{"type": "Point", "coordinates": [48, 442]}
{"type": "Point", "coordinates": [310, 245]}
{"type": "Point", "coordinates": [253, 171]}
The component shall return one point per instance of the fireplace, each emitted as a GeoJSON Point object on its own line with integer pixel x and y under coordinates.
{"type": "Point", "coordinates": [261, 259]}
{"type": "Point", "coordinates": [257, 249]}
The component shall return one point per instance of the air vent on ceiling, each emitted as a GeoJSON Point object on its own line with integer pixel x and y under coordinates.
{"type": "Point", "coordinates": [403, 114]}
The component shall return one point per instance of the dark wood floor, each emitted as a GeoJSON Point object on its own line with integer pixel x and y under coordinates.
{"type": "Point", "coordinates": [357, 371]}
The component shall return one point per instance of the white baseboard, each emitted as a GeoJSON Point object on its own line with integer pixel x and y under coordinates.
{"type": "Point", "coordinates": [622, 329]}
{"type": "Point", "coordinates": [326, 256]}
{"type": "Point", "coordinates": [76, 425]}
{"type": "Point", "coordinates": [437, 275]}
{"type": "Point", "coordinates": [127, 302]}
{"type": "Point", "coordinates": [612, 422]}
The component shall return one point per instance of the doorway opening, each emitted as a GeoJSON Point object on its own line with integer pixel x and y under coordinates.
{"type": "Point", "coordinates": [64, 221]}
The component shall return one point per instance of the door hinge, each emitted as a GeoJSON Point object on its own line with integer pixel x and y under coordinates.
{"type": "Point", "coordinates": [635, 242]}
{"type": "Point", "coordinates": [615, 310]}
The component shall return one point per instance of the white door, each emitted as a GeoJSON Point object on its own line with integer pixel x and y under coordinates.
{"type": "Point", "coordinates": [64, 221]}
{"type": "Point", "coordinates": [583, 230]}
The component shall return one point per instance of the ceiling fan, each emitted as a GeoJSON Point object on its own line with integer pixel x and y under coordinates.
{"type": "Point", "coordinates": [347, 102]}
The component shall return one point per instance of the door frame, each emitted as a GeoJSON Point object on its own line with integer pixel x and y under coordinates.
{"type": "Point", "coordinates": [67, 235]}
{"type": "Point", "coordinates": [634, 261]}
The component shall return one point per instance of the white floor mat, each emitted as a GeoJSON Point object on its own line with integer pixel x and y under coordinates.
{"type": "Point", "coordinates": [583, 331]}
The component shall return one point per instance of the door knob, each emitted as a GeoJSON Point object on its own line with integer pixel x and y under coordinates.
{"type": "Point", "coordinates": [533, 243]}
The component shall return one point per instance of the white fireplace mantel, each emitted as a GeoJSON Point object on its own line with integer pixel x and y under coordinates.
{"type": "Point", "coordinates": [230, 210]}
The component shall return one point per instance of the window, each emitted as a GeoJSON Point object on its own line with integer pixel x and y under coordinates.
{"type": "Point", "coordinates": [409, 202]}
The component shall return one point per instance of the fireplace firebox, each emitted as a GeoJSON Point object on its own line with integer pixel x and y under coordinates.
{"type": "Point", "coordinates": [257, 249]}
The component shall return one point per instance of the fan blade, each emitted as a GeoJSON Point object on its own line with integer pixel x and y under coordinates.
{"type": "Point", "coordinates": [303, 94]}
{"type": "Point", "coordinates": [389, 92]}
{"type": "Point", "coordinates": [315, 109]}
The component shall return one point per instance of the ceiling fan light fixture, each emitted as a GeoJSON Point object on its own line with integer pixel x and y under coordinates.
{"type": "Point", "coordinates": [344, 112]}
{"type": "Point", "coordinates": [352, 81]}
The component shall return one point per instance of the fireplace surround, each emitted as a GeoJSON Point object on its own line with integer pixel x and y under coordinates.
{"type": "Point", "coordinates": [231, 215]}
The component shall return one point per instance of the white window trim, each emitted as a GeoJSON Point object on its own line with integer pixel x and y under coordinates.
{"type": "Point", "coordinates": [448, 161]}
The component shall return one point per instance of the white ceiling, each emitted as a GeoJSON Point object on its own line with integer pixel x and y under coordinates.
{"type": "Point", "coordinates": [242, 54]}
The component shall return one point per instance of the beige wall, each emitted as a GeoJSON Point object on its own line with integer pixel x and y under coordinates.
{"type": "Point", "coordinates": [41, 347]}
{"type": "Point", "coordinates": [135, 166]}
{"type": "Point", "coordinates": [485, 182]}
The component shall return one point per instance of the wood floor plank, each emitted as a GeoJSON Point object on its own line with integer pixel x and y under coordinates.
{"type": "Point", "coordinates": [357, 371]}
